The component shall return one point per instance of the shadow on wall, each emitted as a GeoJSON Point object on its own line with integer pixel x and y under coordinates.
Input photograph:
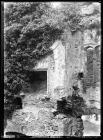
{"type": "Point", "coordinates": [18, 102]}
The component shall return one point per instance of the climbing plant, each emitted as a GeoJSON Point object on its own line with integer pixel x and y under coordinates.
{"type": "Point", "coordinates": [30, 29]}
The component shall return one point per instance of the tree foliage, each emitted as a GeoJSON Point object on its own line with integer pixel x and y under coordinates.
{"type": "Point", "coordinates": [30, 29]}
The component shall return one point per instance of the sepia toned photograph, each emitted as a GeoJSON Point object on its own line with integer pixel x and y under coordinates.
{"type": "Point", "coordinates": [52, 66]}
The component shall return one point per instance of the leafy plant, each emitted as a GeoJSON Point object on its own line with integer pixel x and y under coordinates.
{"type": "Point", "coordinates": [30, 29]}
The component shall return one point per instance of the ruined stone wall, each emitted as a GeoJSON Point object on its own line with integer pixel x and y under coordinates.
{"type": "Point", "coordinates": [69, 57]}
{"type": "Point", "coordinates": [93, 67]}
{"type": "Point", "coordinates": [92, 77]}
{"type": "Point", "coordinates": [57, 73]}
{"type": "Point", "coordinates": [74, 59]}
{"type": "Point", "coordinates": [83, 54]}
{"type": "Point", "coordinates": [54, 64]}
{"type": "Point", "coordinates": [92, 45]}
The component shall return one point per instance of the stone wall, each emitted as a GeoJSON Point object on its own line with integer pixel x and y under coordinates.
{"type": "Point", "coordinates": [50, 80]}
{"type": "Point", "coordinates": [54, 64]}
{"type": "Point", "coordinates": [91, 43]}
{"type": "Point", "coordinates": [92, 76]}
{"type": "Point", "coordinates": [41, 122]}
{"type": "Point", "coordinates": [74, 58]}
{"type": "Point", "coordinates": [57, 73]}
{"type": "Point", "coordinates": [76, 53]}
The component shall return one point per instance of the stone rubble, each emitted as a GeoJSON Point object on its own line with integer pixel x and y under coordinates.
{"type": "Point", "coordinates": [45, 124]}
{"type": "Point", "coordinates": [36, 118]}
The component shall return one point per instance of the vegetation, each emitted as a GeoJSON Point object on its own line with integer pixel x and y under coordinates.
{"type": "Point", "coordinates": [30, 29]}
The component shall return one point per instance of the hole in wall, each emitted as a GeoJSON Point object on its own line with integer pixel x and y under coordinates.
{"type": "Point", "coordinates": [18, 102]}
{"type": "Point", "coordinates": [80, 75]}
{"type": "Point", "coordinates": [38, 80]}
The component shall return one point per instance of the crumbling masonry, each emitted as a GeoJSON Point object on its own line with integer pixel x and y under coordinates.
{"type": "Point", "coordinates": [73, 63]}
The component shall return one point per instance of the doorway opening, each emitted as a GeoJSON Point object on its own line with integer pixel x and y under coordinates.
{"type": "Point", "coordinates": [38, 81]}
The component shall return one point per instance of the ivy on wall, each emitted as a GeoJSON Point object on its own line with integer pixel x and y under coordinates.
{"type": "Point", "coordinates": [30, 29]}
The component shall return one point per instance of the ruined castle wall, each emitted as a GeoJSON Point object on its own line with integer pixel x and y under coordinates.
{"type": "Point", "coordinates": [72, 55]}
{"type": "Point", "coordinates": [54, 64]}
{"type": "Point", "coordinates": [50, 75]}
{"type": "Point", "coordinates": [91, 44]}
{"type": "Point", "coordinates": [56, 71]}
{"type": "Point", "coordinates": [74, 59]}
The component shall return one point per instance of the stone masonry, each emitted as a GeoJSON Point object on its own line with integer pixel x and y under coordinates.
{"type": "Point", "coordinates": [78, 53]}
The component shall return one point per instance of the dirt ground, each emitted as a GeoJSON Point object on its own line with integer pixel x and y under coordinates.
{"type": "Point", "coordinates": [35, 111]}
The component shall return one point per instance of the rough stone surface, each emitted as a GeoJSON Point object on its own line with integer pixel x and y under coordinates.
{"type": "Point", "coordinates": [89, 9]}
{"type": "Point", "coordinates": [56, 76]}
{"type": "Point", "coordinates": [73, 58]}
{"type": "Point", "coordinates": [79, 52]}
{"type": "Point", "coordinates": [70, 58]}
{"type": "Point", "coordinates": [40, 121]}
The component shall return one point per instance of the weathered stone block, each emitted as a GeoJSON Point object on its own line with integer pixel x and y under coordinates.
{"type": "Point", "coordinates": [59, 92]}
